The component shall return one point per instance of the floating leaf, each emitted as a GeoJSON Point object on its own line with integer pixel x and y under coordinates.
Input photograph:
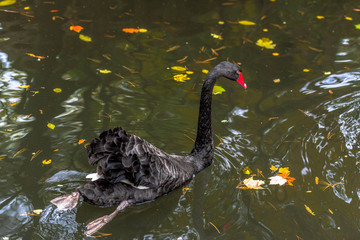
{"type": "Point", "coordinates": [273, 168]}
{"type": "Point", "coordinates": [348, 18]}
{"type": "Point", "coordinates": [189, 72]}
{"type": "Point", "coordinates": [178, 68]}
{"type": "Point", "coordinates": [247, 170]}
{"type": "Point", "coordinates": [76, 28]}
{"type": "Point", "coordinates": [309, 210]}
{"type": "Point", "coordinates": [85, 38]}
{"type": "Point", "coordinates": [181, 77]}
{"type": "Point", "coordinates": [250, 183]}
{"type": "Point", "coordinates": [320, 17]}
{"type": "Point", "coordinates": [224, 121]}
{"type": "Point", "coordinates": [331, 92]}
{"type": "Point", "coordinates": [57, 90]}
{"type": "Point", "coordinates": [37, 211]}
{"type": "Point", "coordinates": [327, 73]}
{"type": "Point", "coordinates": [51, 126]}
{"type": "Point", "coordinates": [246, 23]}
{"type": "Point", "coordinates": [104, 71]}
{"type": "Point", "coordinates": [275, 54]}
{"type": "Point", "coordinates": [276, 80]}
{"type": "Point", "coordinates": [216, 36]}
{"type": "Point", "coordinates": [134, 30]}
{"type": "Point", "coordinates": [46, 162]}
{"type": "Point", "coordinates": [13, 104]}
{"type": "Point", "coordinates": [331, 211]}
{"type": "Point", "coordinates": [218, 90]}
{"type": "Point", "coordinates": [205, 71]}
{"type": "Point", "coordinates": [316, 180]}
{"type": "Point", "coordinates": [277, 180]}
{"type": "Point", "coordinates": [81, 141]}
{"type": "Point", "coordinates": [221, 22]}
{"type": "Point", "coordinates": [35, 56]}
{"type": "Point", "coordinates": [5, 3]}
{"type": "Point", "coordinates": [306, 70]}
{"type": "Point", "coordinates": [266, 43]}
{"type": "Point", "coordinates": [24, 86]}
{"type": "Point", "coordinates": [357, 26]}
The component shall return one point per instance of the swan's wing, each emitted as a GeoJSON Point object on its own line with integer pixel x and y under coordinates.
{"type": "Point", "coordinates": [123, 157]}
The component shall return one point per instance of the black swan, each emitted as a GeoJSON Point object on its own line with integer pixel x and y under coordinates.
{"type": "Point", "coordinates": [131, 171]}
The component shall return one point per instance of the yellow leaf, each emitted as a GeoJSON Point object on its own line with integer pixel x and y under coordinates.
{"type": "Point", "coordinates": [331, 211]}
{"type": "Point", "coordinates": [37, 211]}
{"type": "Point", "coordinates": [309, 210]}
{"type": "Point", "coordinates": [266, 43]}
{"type": "Point", "coordinates": [221, 22]}
{"type": "Point", "coordinates": [26, 8]}
{"type": "Point", "coordinates": [273, 168]}
{"type": "Point", "coordinates": [216, 36]}
{"type": "Point", "coordinates": [218, 90]}
{"type": "Point", "coordinates": [265, 30]}
{"type": "Point", "coordinates": [246, 23]}
{"type": "Point", "coordinates": [348, 18]}
{"type": "Point", "coordinates": [50, 125]}
{"type": "Point", "coordinates": [309, 191]}
{"type": "Point", "coordinates": [276, 80]}
{"type": "Point", "coordinates": [81, 141]}
{"type": "Point", "coordinates": [85, 38]}
{"type": "Point", "coordinates": [104, 71]}
{"type": "Point", "coordinates": [247, 170]}
{"type": "Point", "coordinates": [189, 72]}
{"type": "Point", "coordinates": [24, 86]}
{"type": "Point", "coordinates": [178, 68]}
{"type": "Point", "coordinates": [181, 77]}
{"type": "Point", "coordinates": [46, 162]}
{"type": "Point", "coordinates": [284, 171]}
{"type": "Point", "coordinates": [306, 70]}
{"type": "Point", "coordinates": [320, 17]}
{"type": "Point", "coordinates": [5, 3]}
{"type": "Point", "coordinates": [57, 90]}
{"type": "Point", "coordinates": [142, 30]}
{"type": "Point", "coordinates": [275, 54]}
{"type": "Point", "coordinates": [316, 180]}
{"type": "Point", "coordinates": [205, 71]}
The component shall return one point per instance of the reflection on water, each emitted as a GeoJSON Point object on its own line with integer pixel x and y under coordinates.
{"type": "Point", "coordinates": [309, 121]}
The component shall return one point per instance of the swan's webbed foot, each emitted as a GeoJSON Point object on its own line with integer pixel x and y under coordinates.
{"type": "Point", "coordinates": [98, 223]}
{"type": "Point", "coordinates": [66, 202]}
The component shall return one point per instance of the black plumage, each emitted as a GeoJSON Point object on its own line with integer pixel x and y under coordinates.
{"type": "Point", "coordinates": [134, 171]}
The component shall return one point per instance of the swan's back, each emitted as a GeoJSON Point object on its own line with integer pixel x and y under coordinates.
{"type": "Point", "coordinates": [132, 168]}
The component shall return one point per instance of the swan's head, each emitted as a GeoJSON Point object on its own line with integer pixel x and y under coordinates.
{"type": "Point", "coordinates": [231, 71]}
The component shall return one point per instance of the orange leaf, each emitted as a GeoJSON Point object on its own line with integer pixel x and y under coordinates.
{"type": "Point", "coordinates": [33, 55]}
{"type": "Point", "coordinates": [130, 30]}
{"type": "Point", "coordinates": [13, 104]}
{"type": "Point", "coordinates": [76, 28]}
{"type": "Point", "coordinates": [53, 11]}
{"type": "Point", "coordinates": [81, 141]}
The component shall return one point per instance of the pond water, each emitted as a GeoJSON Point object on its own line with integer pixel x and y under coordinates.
{"type": "Point", "coordinates": [308, 119]}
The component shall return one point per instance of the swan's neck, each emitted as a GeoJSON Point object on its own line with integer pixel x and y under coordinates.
{"type": "Point", "coordinates": [204, 139]}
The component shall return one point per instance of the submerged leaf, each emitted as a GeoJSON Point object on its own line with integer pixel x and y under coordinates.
{"type": "Point", "coordinates": [266, 43]}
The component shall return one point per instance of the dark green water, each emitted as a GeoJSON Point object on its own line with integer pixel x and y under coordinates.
{"type": "Point", "coordinates": [296, 123]}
